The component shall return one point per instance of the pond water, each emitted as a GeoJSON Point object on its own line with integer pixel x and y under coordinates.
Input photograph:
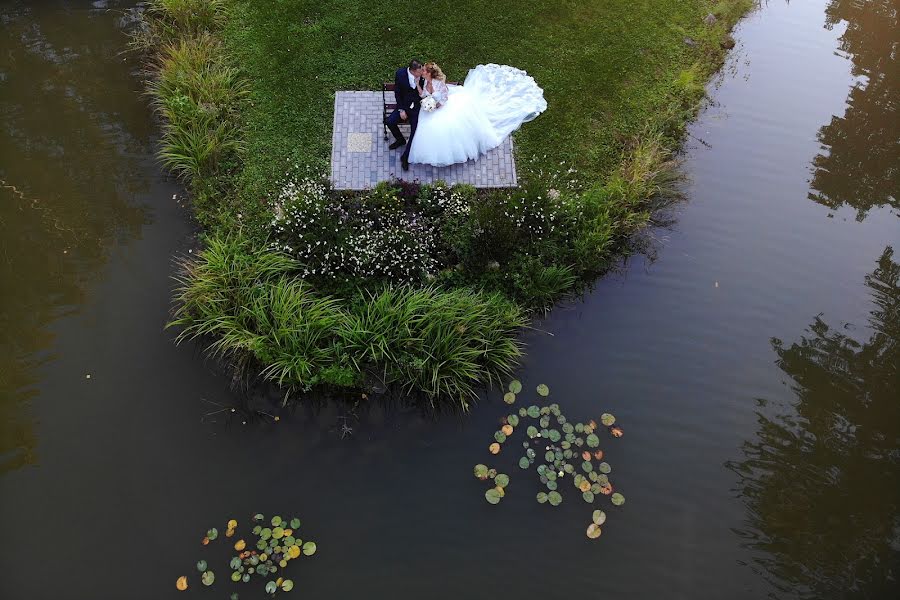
{"type": "Point", "coordinates": [753, 365]}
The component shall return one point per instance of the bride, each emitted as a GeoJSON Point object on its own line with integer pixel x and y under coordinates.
{"type": "Point", "coordinates": [473, 118]}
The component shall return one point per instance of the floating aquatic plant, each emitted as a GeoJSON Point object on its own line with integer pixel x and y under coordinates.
{"type": "Point", "coordinates": [274, 547]}
{"type": "Point", "coordinates": [561, 453]}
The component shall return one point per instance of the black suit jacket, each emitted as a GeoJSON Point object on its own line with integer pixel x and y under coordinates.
{"type": "Point", "coordinates": [407, 97]}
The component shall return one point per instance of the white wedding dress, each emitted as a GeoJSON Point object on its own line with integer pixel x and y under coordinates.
{"type": "Point", "coordinates": [493, 102]}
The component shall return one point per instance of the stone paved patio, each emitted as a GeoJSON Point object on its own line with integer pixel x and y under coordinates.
{"type": "Point", "coordinates": [360, 157]}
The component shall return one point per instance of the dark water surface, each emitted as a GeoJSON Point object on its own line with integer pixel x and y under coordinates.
{"type": "Point", "coordinates": [753, 365]}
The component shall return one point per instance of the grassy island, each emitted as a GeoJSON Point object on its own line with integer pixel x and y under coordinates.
{"type": "Point", "coordinates": [421, 286]}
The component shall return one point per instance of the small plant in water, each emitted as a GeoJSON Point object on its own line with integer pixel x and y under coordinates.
{"type": "Point", "coordinates": [563, 452]}
{"type": "Point", "coordinates": [276, 543]}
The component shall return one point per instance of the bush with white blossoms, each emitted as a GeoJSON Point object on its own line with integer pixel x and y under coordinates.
{"type": "Point", "coordinates": [369, 237]}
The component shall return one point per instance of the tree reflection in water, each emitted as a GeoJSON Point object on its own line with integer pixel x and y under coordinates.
{"type": "Point", "coordinates": [822, 484]}
{"type": "Point", "coordinates": [861, 167]}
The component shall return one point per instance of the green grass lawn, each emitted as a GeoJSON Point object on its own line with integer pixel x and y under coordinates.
{"type": "Point", "coordinates": [608, 67]}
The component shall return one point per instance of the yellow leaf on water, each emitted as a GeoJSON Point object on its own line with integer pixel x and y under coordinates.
{"type": "Point", "coordinates": [181, 583]}
{"type": "Point", "coordinates": [232, 524]}
{"type": "Point", "coordinates": [240, 545]}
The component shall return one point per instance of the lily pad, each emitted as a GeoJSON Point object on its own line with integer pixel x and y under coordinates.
{"type": "Point", "coordinates": [235, 596]}
{"type": "Point", "coordinates": [616, 431]}
{"type": "Point", "coordinates": [181, 583]}
{"type": "Point", "coordinates": [309, 548]}
{"type": "Point", "coordinates": [604, 467]}
{"type": "Point", "coordinates": [261, 545]}
{"type": "Point", "coordinates": [240, 545]}
{"type": "Point", "coordinates": [201, 565]}
{"type": "Point", "coordinates": [593, 531]}
{"type": "Point", "coordinates": [502, 480]}
{"type": "Point", "coordinates": [212, 533]}
{"type": "Point", "coordinates": [533, 411]}
{"type": "Point", "coordinates": [523, 412]}
{"type": "Point", "coordinates": [232, 524]}
{"type": "Point", "coordinates": [295, 523]}
{"type": "Point", "coordinates": [507, 430]}
{"type": "Point", "coordinates": [585, 485]}
{"type": "Point", "coordinates": [259, 517]}
{"type": "Point", "coordinates": [287, 585]}
{"type": "Point", "coordinates": [515, 386]}
{"type": "Point", "coordinates": [494, 448]}
{"type": "Point", "coordinates": [552, 485]}
{"type": "Point", "coordinates": [499, 436]}
{"type": "Point", "coordinates": [567, 428]}
{"type": "Point", "coordinates": [587, 467]}
{"type": "Point", "coordinates": [235, 577]}
{"type": "Point", "coordinates": [492, 496]}
{"type": "Point", "coordinates": [607, 419]}
{"type": "Point", "coordinates": [593, 441]}
{"type": "Point", "coordinates": [208, 578]}
{"type": "Point", "coordinates": [599, 517]}
{"type": "Point", "coordinates": [294, 551]}
{"type": "Point", "coordinates": [513, 420]}
{"type": "Point", "coordinates": [523, 462]}
{"type": "Point", "coordinates": [541, 497]}
{"type": "Point", "coordinates": [555, 498]}
{"type": "Point", "coordinates": [543, 390]}
{"type": "Point", "coordinates": [265, 534]}
{"type": "Point", "coordinates": [509, 398]}
{"type": "Point", "coordinates": [588, 496]}
{"type": "Point", "coordinates": [617, 499]}
{"type": "Point", "coordinates": [271, 587]}
{"type": "Point", "coordinates": [234, 564]}
{"type": "Point", "coordinates": [554, 436]}
{"type": "Point", "coordinates": [532, 431]}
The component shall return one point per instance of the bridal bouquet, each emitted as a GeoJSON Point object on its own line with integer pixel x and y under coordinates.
{"type": "Point", "coordinates": [429, 104]}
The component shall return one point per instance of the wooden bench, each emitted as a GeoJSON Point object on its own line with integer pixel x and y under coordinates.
{"type": "Point", "coordinates": [390, 104]}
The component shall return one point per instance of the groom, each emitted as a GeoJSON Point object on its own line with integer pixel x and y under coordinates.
{"type": "Point", "coordinates": [406, 82]}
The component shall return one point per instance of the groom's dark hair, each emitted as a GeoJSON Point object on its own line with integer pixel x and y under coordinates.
{"type": "Point", "coordinates": [414, 64]}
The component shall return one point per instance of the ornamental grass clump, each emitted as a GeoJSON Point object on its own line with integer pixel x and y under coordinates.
{"type": "Point", "coordinates": [196, 93]}
{"type": "Point", "coordinates": [441, 343]}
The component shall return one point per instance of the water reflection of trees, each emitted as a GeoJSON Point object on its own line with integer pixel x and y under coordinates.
{"type": "Point", "coordinates": [861, 167]}
{"type": "Point", "coordinates": [72, 134]}
{"type": "Point", "coordinates": [822, 484]}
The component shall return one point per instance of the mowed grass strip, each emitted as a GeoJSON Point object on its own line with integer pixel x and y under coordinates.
{"type": "Point", "coordinates": [608, 68]}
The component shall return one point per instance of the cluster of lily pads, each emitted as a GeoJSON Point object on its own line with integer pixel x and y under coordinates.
{"type": "Point", "coordinates": [273, 548]}
{"type": "Point", "coordinates": [560, 450]}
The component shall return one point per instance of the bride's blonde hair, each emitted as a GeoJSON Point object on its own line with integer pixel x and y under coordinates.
{"type": "Point", "coordinates": [435, 71]}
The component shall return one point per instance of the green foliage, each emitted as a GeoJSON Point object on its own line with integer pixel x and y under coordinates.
{"type": "Point", "coordinates": [196, 93]}
{"type": "Point", "coordinates": [191, 16]}
{"type": "Point", "coordinates": [444, 343]}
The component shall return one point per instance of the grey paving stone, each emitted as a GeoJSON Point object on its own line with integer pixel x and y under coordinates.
{"type": "Point", "coordinates": [358, 120]}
